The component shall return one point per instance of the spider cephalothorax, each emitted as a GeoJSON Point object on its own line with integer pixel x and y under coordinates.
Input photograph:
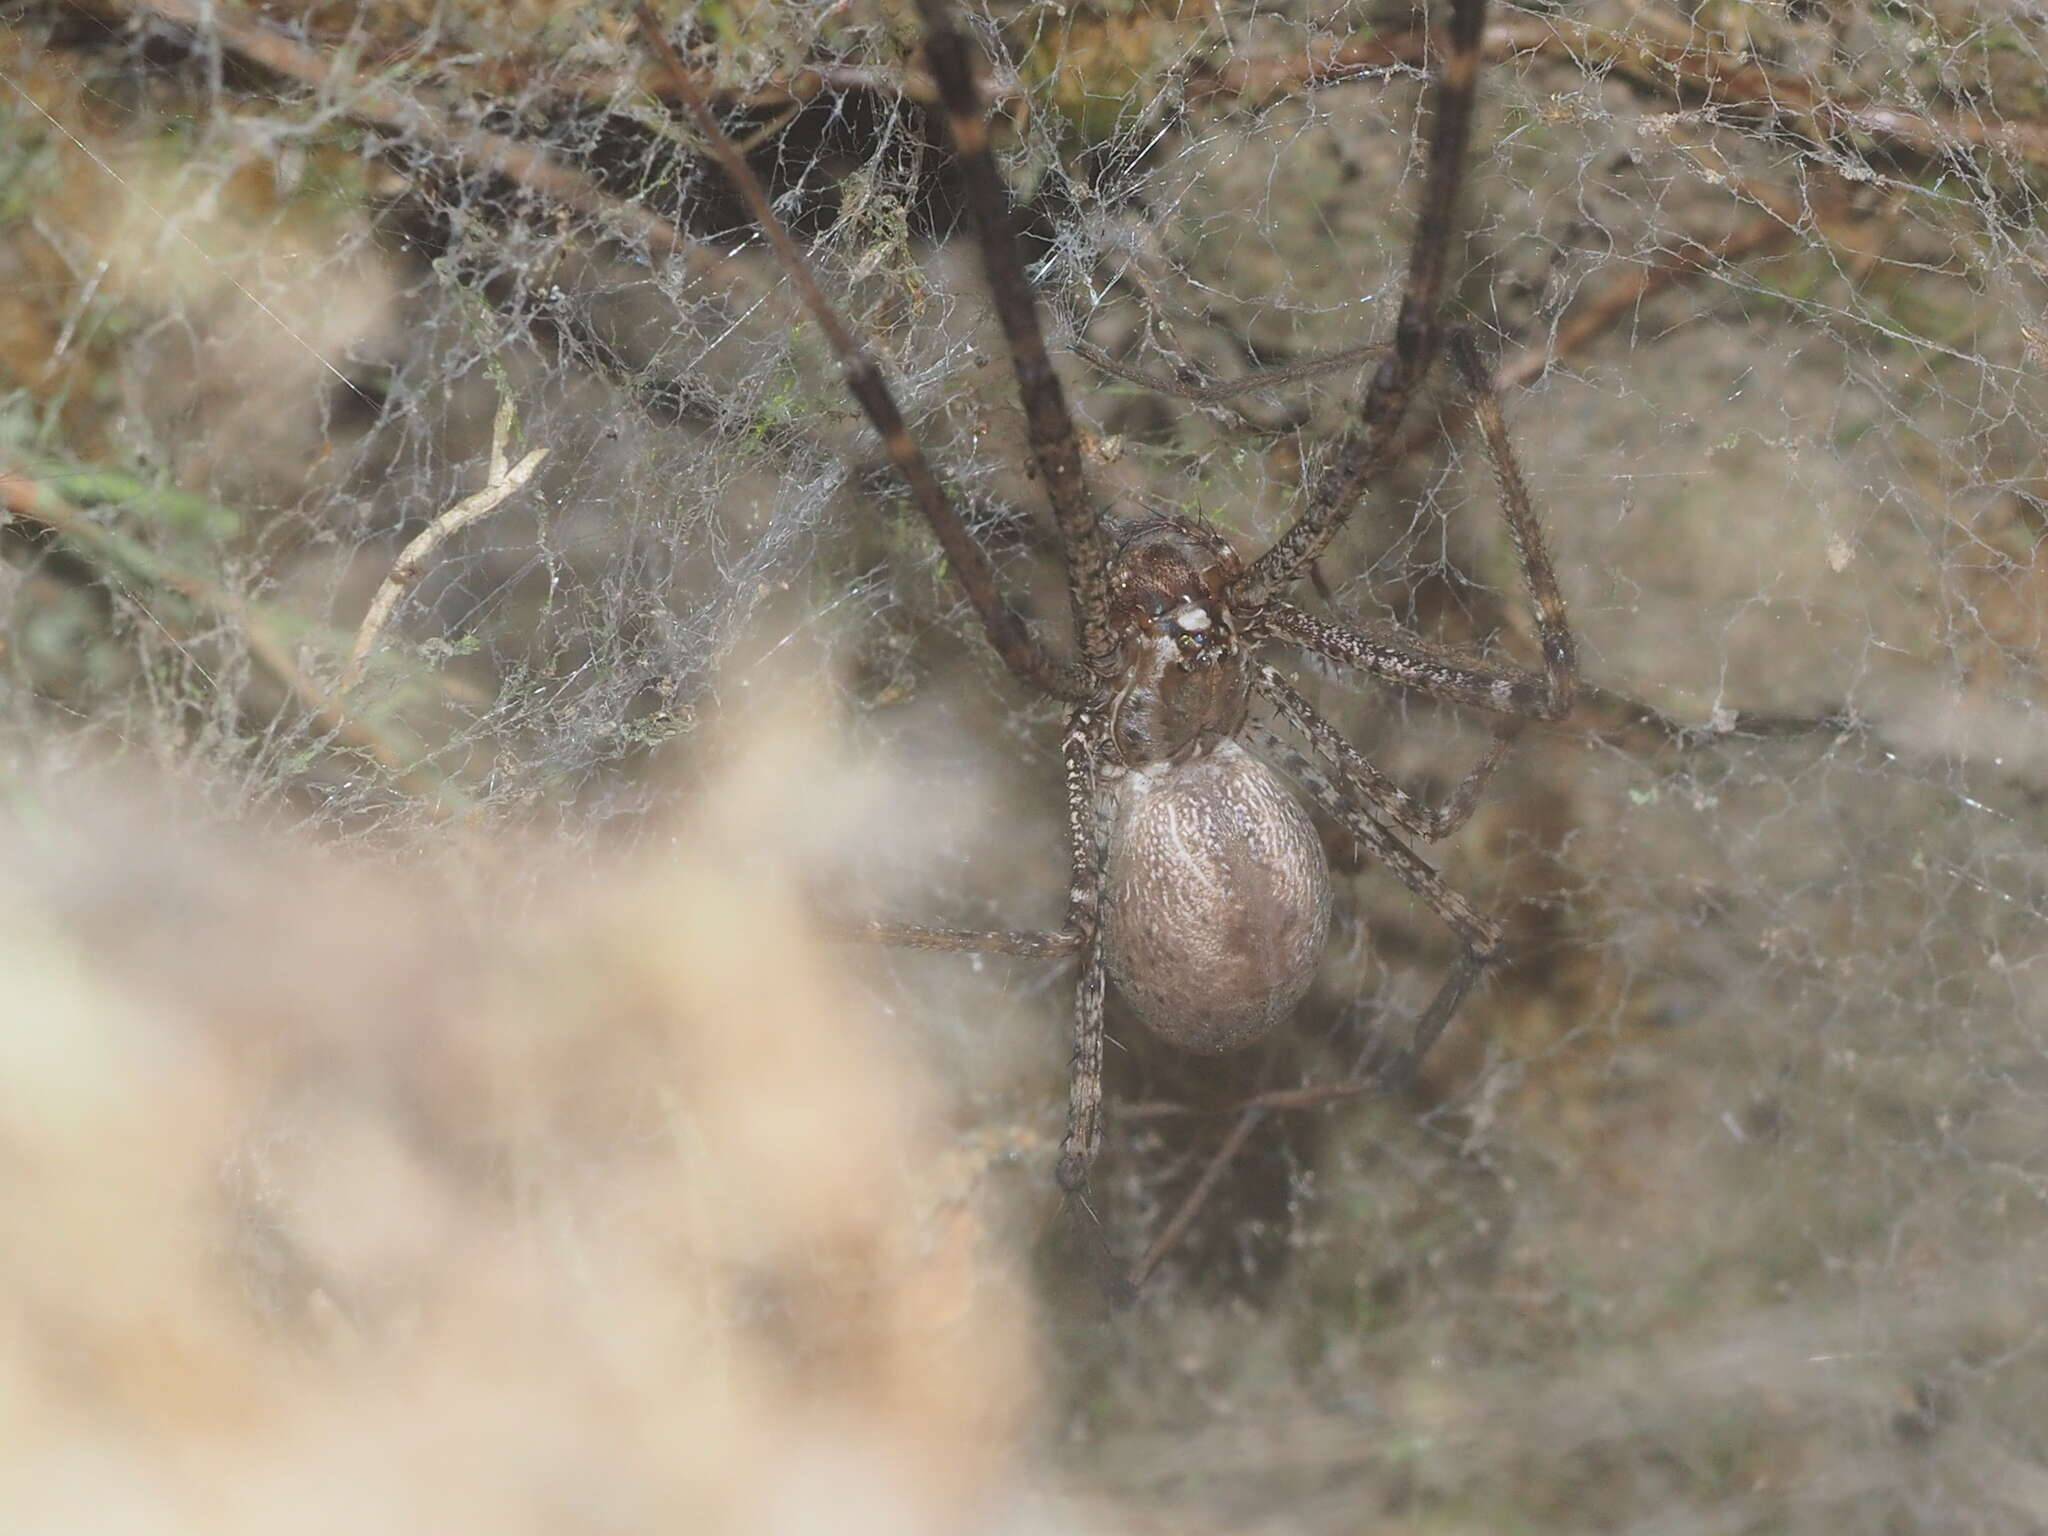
{"type": "Point", "coordinates": [1181, 686]}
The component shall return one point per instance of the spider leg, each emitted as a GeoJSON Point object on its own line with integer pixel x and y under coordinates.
{"type": "Point", "coordinates": [1084, 919]}
{"type": "Point", "coordinates": [1340, 795]}
{"type": "Point", "coordinates": [1020, 650]}
{"type": "Point", "coordinates": [1401, 656]}
{"type": "Point", "coordinates": [1029, 943]}
{"type": "Point", "coordinates": [1539, 576]}
{"type": "Point", "coordinates": [1362, 451]}
{"type": "Point", "coordinates": [1054, 443]}
{"type": "Point", "coordinates": [1431, 823]}
{"type": "Point", "coordinates": [1083, 1138]}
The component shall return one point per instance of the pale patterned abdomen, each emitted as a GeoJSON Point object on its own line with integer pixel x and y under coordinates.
{"type": "Point", "coordinates": [1218, 899]}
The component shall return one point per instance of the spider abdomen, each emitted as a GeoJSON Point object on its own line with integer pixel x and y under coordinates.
{"type": "Point", "coordinates": [1218, 899]}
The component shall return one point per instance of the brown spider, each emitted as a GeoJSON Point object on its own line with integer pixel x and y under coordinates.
{"type": "Point", "coordinates": [1208, 899]}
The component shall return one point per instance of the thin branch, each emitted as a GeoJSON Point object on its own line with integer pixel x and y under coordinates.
{"type": "Point", "coordinates": [1672, 65]}
{"type": "Point", "coordinates": [37, 503]}
{"type": "Point", "coordinates": [380, 106]}
{"type": "Point", "coordinates": [501, 483]}
{"type": "Point", "coordinates": [1666, 270]}
{"type": "Point", "coordinates": [1203, 390]}
{"type": "Point", "coordinates": [1175, 1229]}
{"type": "Point", "coordinates": [1262, 78]}
{"type": "Point", "coordinates": [798, 88]}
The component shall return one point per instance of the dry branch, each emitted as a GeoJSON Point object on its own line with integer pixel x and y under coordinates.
{"type": "Point", "coordinates": [1674, 66]}
{"type": "Point", "coordinates": [381, 107]}
{"type": "Point", "coordinates": [37, 503]}
{"type": "Point", "coordinates": [500, 482]}
{"type": "Point", "coordinates": [1667, 270]}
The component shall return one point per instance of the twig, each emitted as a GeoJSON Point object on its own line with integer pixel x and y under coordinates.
{"type": "Point", "coordinates": [37, 503]}
{"type": "Point", "coordinates": [1674, 66]}
{"type": "Point", "coordinates": [1192, 384]}
{"type": "Point", "coordinates": [257, 43]}
{"type": "Point", "coordinates": [1667, 270]}
{"type": "Point", "coordinates": [599, 89]}
{"type": "Point", "coordinates": [499, 484]}
{"type": "Point", "coordinates": [1175, 1229]}
{"type": "Point", "coordinates": [1735, 80]}
{"type": "Point", "coordinates": [1260, 78]}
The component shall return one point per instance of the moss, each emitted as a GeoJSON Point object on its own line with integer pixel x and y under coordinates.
{"type": "Point", "coordinates": [1098, 66]}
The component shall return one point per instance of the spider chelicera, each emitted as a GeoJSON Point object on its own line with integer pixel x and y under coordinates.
{"type": "Point", "coordinates": [1200, 887]}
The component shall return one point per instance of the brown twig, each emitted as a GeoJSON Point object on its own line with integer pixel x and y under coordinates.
{"type": "Point", "coordinates": [37, 503]}
{"type": "Point", "coordinates": [256, 43]}
{"type": "Point", "coordinates": [1668, 269]}
{"type": "Point", "coordinates": [1164, 1243]}
{"type": "Point", "coordinates": [500, 481]}
{"type": "Point", "coordinates": [1259, 78]}
{"type": "Point", "coordinates": [798, 89]}
{"type": "Point", "coordinates": [1675, 66]}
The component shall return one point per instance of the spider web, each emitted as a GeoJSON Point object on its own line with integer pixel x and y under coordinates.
{"type": "Point", "coordinates": [1723, 1206]}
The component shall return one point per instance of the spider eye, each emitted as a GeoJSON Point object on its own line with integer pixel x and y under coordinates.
{"type": "Point", "coordinates": [1154, 604]}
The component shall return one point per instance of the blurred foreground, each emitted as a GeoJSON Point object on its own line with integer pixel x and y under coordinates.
{"type": "Point", "coordinates": [352, 1197]}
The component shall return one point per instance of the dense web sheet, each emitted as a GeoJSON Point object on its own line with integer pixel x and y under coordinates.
{"type": "Point", "coordinates": [1723, 1207]}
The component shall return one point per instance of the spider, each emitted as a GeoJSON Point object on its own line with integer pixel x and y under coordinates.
{"type": "Point", "coordinates": [1199, 886]}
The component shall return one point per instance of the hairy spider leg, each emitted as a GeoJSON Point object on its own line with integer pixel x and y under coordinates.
{"type": "Point", "coordinates": [1083, 1140]}
{"type": "Point", "coordinates": [1025, 943]}
{"type": "Point", "coordinates": [1401, 656]}
{"type": "Point", "coordinates": [1082, 935]}
{"type": "Point", "coordinates": [1429, 822]}
{"type": "Point", "coordinates": [1560, 653]}
{"type": "Point", "coordinates": [1020, 649]}
{"type": "Point", "coordinates": [1362, 450]}
{"type": "Point", "coordinates": [1054, 444]}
